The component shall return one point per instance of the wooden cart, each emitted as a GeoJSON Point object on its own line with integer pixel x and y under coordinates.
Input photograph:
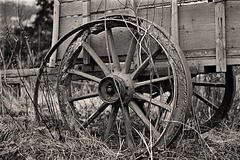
{"type": "Point", "coordinates": [143, 60]}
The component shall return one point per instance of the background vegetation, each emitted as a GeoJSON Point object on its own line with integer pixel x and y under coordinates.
{"type": "Point", "coordinates": [25, 33]}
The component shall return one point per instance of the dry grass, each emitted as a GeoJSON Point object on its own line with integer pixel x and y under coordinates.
{"type": "Point", "coordinates": [21, 138]}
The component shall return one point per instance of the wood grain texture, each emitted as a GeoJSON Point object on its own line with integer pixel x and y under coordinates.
{"type": "Point", "coordinates": [55, 33]}
{"type": "Point", "coordinates": [196, 28]}
{"type": "Point", "coordinates": [86, 18]}
{"type": "Point", "coordinates": [232, 24]}
{"type": "Point", "coordinates": [174, 21]}
{"type": "Point", "coordinates": [67, 24]}
{"type": "Point", "coordinates": [220, 36]}
{"type": "Point", "coordinates": [106, 5]}
{"type": "Point", "coordinates": [71, 9]}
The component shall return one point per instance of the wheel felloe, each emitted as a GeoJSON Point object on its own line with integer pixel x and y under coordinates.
{"type": "Point", "coordinates": [213, 97]}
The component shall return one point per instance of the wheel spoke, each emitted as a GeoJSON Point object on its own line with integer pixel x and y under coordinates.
{"type": "Point", "coordinates": [130, 54]}
{"type": "Point", "coordinates": [95, 115]}
{"type": "Point", "coordinates": [209, 84]}
{"type": "Point", "coordinates": [128, 126]}
{"type": "Point", "coordinates": [86, 96]}
{"type": "Point", "coordinates": [111, 120]}
{"type": "Point", "coordinates": [84, 75]}
{"type": "Point", "coordinates": [96, 58]}
{"type": "Point", "coordinates": [111, 48]}
{"type": "Point", "coordinates": [145, 63]}
{"type": "Point", "coordinates": [143, 83]}
{"type": "Point", "coordinates": [145, 120]}
{"type": "Point", "coordinates": [152, 101]}
{"type": "Point", "coordinates": [207, 102]}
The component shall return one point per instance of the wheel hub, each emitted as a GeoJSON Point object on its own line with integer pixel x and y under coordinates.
{"type": "Point", "coordinates": [114, 88]}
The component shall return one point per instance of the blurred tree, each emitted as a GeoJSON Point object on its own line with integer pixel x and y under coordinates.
{"type": "Point", "coordinates": [43, 24]}
{"type": "Point", "coordinates": [24, 42]}
{"type": "Point", "coordinates": [41, 32]}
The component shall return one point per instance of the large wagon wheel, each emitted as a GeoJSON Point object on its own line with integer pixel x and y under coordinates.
{"type": "Point", "coordinates": [127, 92]}
{"type": "Point", "coordinates": [213, 94]}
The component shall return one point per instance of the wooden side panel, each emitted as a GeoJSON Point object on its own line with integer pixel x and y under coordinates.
{"type": "Point", "coordinates": [158, 15]}
{"type": "Point", "coordinates": [174, 21]}
{"type": "Point", "coordinates": [55, 33]}
{"type": "Point", "coordinates": [63, 1]}
{"type": "Point", "coordinates": [220, 35]}
{"type": "Point", "coordinates": [95, 16]}
{"type": "Point", "coordinates": [100, 5]}
{"type": "Point", "coordinates": [233, 24]}
{"type": "Point", "coordinates": [71, 9]}
{"type": "Point", "coordinates": [67, 24]}
{"type": "Point", "coordinates": [197, 26]}
{"type": "Point", "coordinates": [233, 32]}
{"type": "Point", "coordinates": [122, 38]}
{"type": "Point", "coordinates": [86, 19]}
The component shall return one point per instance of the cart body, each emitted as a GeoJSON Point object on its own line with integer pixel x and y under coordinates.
{"type": "Point", "coordinates": [207, 32]}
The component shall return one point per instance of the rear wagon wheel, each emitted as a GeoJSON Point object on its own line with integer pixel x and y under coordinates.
{"type": "Point", "coordinates": [213, 94]}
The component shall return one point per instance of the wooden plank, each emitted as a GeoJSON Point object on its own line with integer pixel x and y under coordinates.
{"type": "Point", "coordinates": [64, 1]}
{"type": "Point", "coordinates": [67, 24]}
{"type": "Point", "coordinates": [71, 9]}
{"type": "Point", "coordinates": [19, 73]}
{"type": "Point", "coordinates": [122, 37]}
{"type": "Point", "coordinates": [160, 16]}
{"type": "Point", "coordinates": [232, 24]}
{"type": "Point", "coordinates": [55, 32]}
{"type": "Point", "coordinates": [106, 5]}
{"type": "Point", "coordinates": [102, 5]}
{"type": "Point", "coordinates": [13, 73]}
{"type": "Point", "coordinates": [220, 37]}
{"type": "Point", "coordinates": [63, 47]}
{"type": "Point", "coordinates": [197, 26]}
{"type": "Point", "coordinates": [15, 80]}
{"type": "Point", "coordinates": [174, 21]}
{"type": "Point", "coordinates": [86, 19]}
{"type": "Point", "coordinates": [95, 16]}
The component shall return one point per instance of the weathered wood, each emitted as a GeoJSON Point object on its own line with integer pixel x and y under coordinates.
{"type": "Point", "coordinates": [15, 80]}
{"type": "Point", "coordinates": [220, 37]}
{"type": "Point", "coordinates": [66, 25]}
{"type": "Point", "coordinates": [196, 26]}
{"type": "Point", "coordinates": [86, 11]}
{"type": "Point", "coordinates": [98, 6]}
{"type": "Point", "coordinates": [86, 19]}
{"type": "Point", "coordinates": [19, 72]}
{"type": "Point", "coordinates": [95, 16]}
{"type": "Point", "coordinates": [232, 24]}
{"type": "Point", "coordinates": [160, 16]}
{"type": "Point", "coordinates": [121, 37]}
{"type": "Point", "coordinates": [66, 1]}
{"type": "Point", "coordinates": [12, 73]}
{"type": "Point", "coordinates": [55, 32]}
{"type": "Point", "coordinates": [69, 23]}
{"type": "Point", "coordinates": [71, 9]}
{"type": "Point", "coordinates": [174, 21]}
